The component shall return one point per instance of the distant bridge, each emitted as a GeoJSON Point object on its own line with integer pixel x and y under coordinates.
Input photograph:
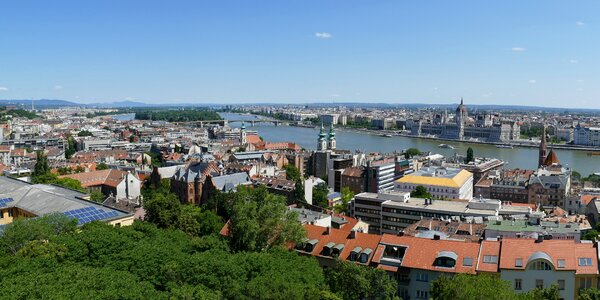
{"type": "Point", "coordinates": [251, 122]}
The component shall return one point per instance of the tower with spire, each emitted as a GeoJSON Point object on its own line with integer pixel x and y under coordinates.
{"type": "Point", "coordinates": [331, 143]}
{"type": "Point", "coordinates": [322, 143]}
{"type": "Point", "coordinates": [461, 118]}
{"type": "Point", "coordinates": [243, 140]}
{"type": "Point", "coordinates": [542, 151]}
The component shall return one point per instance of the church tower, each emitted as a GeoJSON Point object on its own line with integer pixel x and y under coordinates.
{"type": "Point", "coordinates": [542, 151]}
{"type": "Point", "coordinates": [461, 119]}
{"type": "Point", "coordinates": [322, 143]}
{"type": "Point", "coordinates": [331, 143]}
{"type": "Point", "coordinates": [243, 140]}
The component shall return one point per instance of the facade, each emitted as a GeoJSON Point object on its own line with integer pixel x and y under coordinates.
{"type": "Point", "coordinates": [586, 136]}
{"type": "Point", "coordinates": [391, 212]}
{"type": "Point", "coordinates": [484, 128]}
{"type": "Point", "coordinates": [506, 185]}
{"type": "Point", "coordinates": [380, 175]}
{"type": "Point", "coordinates": [549, 187]}
{"type": "Point", "coordinates": [189, 182]}
{"type": "Point", "coordinates": [440, 182]}
{"type": "Point", "coordinates": [530, 264]}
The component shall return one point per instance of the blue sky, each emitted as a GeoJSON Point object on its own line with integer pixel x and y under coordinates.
{"type": "Point", "coordinates": [493, 52]}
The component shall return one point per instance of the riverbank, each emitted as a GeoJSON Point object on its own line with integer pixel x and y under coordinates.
{"type": "Point", "coordinates": [513, 144]}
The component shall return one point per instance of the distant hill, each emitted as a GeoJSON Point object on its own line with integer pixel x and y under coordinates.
{"type": "Point", "coordinates": [42, 103]}
{"type": "Point", "coordinates": [120, 104]}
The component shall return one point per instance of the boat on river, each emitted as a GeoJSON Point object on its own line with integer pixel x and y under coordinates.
{"type": "Point", "coordinates": [504, 146]}
{"type": "Point", "coordinates": [446, 146]}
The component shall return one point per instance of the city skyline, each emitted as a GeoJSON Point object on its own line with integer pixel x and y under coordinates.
{"type": "Point", "coordinates": [536, 53]}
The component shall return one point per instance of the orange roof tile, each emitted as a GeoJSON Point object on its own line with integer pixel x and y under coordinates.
{"type": "Point", "coordinates": [488, 248]}
{"type": "Point", "coordinates": [568, 250]}
{"type": "Point", "coordinates": [421, 253]}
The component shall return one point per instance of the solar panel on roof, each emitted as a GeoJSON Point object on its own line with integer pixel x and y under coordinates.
{"type": "Point", "coordinates": [89, 214]}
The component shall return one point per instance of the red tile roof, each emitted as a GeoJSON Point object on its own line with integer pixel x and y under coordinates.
{"type": "Point", "coordinates": [421, 253]}
{"type": "Point", "coordinates": [491, 248]}
{"type": "Point", "coordinates": [568, 250]}
{"type": "Point", "coordinates": [339, 236]}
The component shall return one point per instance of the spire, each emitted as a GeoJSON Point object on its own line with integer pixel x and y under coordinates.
{"type": "Point", "coordinates": [321, 133]}
{"type": "Point", "coordinates": [542, 151]}
{"type": "Point", "coordinates": [461, 101]}
{"type": "Point", "coordinates": [331, 132]}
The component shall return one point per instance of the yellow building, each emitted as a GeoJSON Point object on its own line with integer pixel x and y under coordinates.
{"type": "Point", "coordinates": [440, 182]}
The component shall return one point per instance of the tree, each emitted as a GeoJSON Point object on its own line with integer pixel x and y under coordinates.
{"type": "Point", "coordinates": [84, 133]}
{"type": "Point", "coordinates": [101, 166]}
{"type": "Point", "coordinates": [351, 281]}
{"type": "Point", "coordinates": [410, 152]}
{"type": "Point", "coordinates": [344, 207]}
{"type": "Point", "coordinates": [97, 196]}
{"type": "Point", "coordinates": [41, 165]}
{"type": "Point", "coordinates": [589, 294]}
{"type": "Point", "coordinates": [470, 156]}
{"type": "Point", "coordinates": [420, 192]}
{"type": "Point", "coordinates": [483, 286]}
{"type": "Point", "coordinates": [70, 148]}
{"type": "Point", "coordinates": [591, 235]}
{"type": "Point", "coordinates": [163, 210]}
{"type": "Point", "coordinates": [320, 192]}
{"type": "Point", "coordinates": [22, 231]}
{"type": "Point", "coordinates": [292, 173]}
{"type": "Point", "coordinates": [260, 221]}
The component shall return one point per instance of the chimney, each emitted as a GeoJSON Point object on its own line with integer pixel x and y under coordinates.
{"type": "Point", "coordinates": [436, 237]}
{"type": "Point", "coordinates": [352, 234]}
{"type": "Point", "coordinates": [400, 233]}
{"type": "Point", "coordinates": [328, 230]}
{"type": "Point", "coordinates": [540, 238]}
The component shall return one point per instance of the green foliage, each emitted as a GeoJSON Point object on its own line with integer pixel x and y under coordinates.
{"type": "Point", "coordinates": [410, 152]}
{"type": "Point", "coordinates": [100, 261]}
{"type": "Point", "coordinates": [183, 115]}
{"type": "Point", "coordinates": [41, 165]}
{"type": "Point", "coordinates": [591, 235]}
{"type": "Point", "coordinates": [320, 192]}
{"type": "Point", "coordinates": [70, 148]}
{"type": "Point", "coordinates": [351, 281]}
{"type": "Point", "coordinates": [101, 166]}
{"type": "Point", "coordinates": [344, 207]}
{"type": "Point", "coordinates": [292, 173]}
{"type": "Point", "coordinates": [18, 113]}
{"type": "Point", "coordinates": [260, 221]}
{"type": "Point", "coordinates": [50, 178]}
{"type": "Point", "coordinates": [22, 231]}
{"type": "Point", "coordinates": [84, 133]}
{"type": "Point", "coordinates": [420, 192]}
{"type": "Point", "coordinates": [589, 294]}
{"type": "Point", "coordinates": [483, 286]}
{"type": "Point", "coordinates": [97, 196]}
{"type": "Point", "coordinates": [470, 156]}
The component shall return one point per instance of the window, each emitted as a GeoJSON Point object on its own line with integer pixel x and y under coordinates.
{"type": "Point", "coordinates": [561, 285]}
{"type": "Point", "coordinates": [585, 283]}
{"type": "Point", "coordinates": [10, 213]}
{"type": "Point", "coordinates": [518, 284]}
{"type": "Point", "coordinates": [561, 263]}
{"type": "Point", "coordinates": [518, 262]}
{"type": "Point", "coordinates": [422, 294]}
{"type": "Point", "coordinates": [468, 261]}
{"type": "Point", "coordinates": [585, 261]}
{"type": "Point", "coordinates": [422, 277]}
{"type": "Point", "coordinates": [539, 283]}
{"type": "Point", "coordinates": [490, 259]}
{"type": "Point", "coordinates": [540, 265]}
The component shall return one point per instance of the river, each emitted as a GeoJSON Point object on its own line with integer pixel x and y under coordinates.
{"type": "Point", "coordinates": [525, 158]}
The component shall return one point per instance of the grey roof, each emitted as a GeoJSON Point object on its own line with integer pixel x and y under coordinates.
{"type": "Point", "coordinates": [192, 172]}
{"type": "Point", "coordinates": [43, 199]}
{"type": "Point", "coordinates": [540, 255]}
{"type": "Point", "coordinates": [552, 181]}
{"type": "Point", "coordinates": [229, 182]}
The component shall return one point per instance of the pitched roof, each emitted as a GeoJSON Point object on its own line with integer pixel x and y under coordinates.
{"type": "Point", "coordinates": [325, 236]}
{"type": "Point", "coordinates": [455, 181]}
{"type": "Point", "coordinates": [553, 250]}
{"type": "Point", "coordinates": [551, 159]}
{"type": "Point", "coordinates": [488, 248]}
{"type": "Point", "coordinates": [109, 177]}
{"type": "Point", "coordinates": [422, 253]}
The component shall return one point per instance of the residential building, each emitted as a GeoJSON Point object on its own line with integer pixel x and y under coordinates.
{"type": "Point", "coordinates": [110, 182]}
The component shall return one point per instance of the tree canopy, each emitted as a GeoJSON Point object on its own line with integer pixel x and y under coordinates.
{"type": "Point", "coordinates": [420, 192]}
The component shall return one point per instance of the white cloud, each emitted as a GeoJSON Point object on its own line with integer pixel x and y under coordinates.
{"type": "Point", "coordinates": [435, 89]}
{"type": "Point", "coordinates": [579, 80]}
{"type": "Point", "coordinates": [323, 35]}
{"type": "Point", "coordinates": [3, 88]}
{"type": "Point", "coordinates": [58, 87]}
{"type": "Point", "coordinates": [573, 61]}
{"type": "Point", "coordinates": [129, 98]}
{"type": "Point", "coordinates": [532, 81]}
{"type": "Point", "coordinates": [518, 49]}
{"type": "Point", "coordinates": [579, 23]}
